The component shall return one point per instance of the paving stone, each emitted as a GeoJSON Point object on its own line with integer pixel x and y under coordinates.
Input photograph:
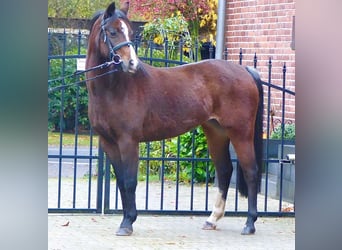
{"type": "Point", "coordinates": [68, 231]}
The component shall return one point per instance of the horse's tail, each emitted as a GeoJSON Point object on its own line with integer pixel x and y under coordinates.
{"type": "Point", "coordinates": [258, 131]}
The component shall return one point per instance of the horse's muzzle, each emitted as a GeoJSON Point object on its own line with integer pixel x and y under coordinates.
{"type": "Point", "coordinates": [130, 66]}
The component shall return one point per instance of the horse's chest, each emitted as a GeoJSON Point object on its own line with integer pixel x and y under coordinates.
{"type": "Point", "coordinates": [117, 117]}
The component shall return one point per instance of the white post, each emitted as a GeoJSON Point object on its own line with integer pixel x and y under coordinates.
{"type": "Point", "coordinates": [221, 18]}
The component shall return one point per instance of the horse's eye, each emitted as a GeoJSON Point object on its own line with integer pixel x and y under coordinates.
{"type": "Point", "coordinates": [112, 33]}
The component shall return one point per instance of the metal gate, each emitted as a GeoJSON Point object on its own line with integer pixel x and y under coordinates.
{"type": "Point", "coordinates": [173, 179]}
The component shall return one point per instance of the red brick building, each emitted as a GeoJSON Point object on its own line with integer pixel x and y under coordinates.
{"type": "Point", "coordinates": [264, 27]}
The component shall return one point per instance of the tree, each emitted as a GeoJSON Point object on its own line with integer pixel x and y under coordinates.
{"type": "Point", "coordinates": [151, 9]}
{"type": "Point", "coordinates": [77, 8]}
{"type": "Point", "coordinates": [198, 13]}
{"type": "Point", "coordinates": [208, 23]}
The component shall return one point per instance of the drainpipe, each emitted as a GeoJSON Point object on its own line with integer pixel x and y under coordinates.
{"type": "Point", "coordinates": [221, 18]}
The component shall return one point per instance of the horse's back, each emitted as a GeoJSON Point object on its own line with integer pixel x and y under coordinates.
{"type": "Point", "coordinates": [210, 71]}
{"type": "Point", "coordinates": [212, 80]}
{"type": "Point", "coordinates": [225, 79]}
{"type": "Point", "coordinates": [206, 65]}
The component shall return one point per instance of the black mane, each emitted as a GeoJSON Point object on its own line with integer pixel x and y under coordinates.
{"type": "Point", "coordinates": [95, 17]}
{"type": "Point", "coordinates": [118, 14]}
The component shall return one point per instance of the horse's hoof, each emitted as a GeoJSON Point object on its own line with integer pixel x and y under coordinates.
{"type": "Point", "coordinates": [124, 232]}
{"type": "Point", "coordinates": [209, 226]}
{"type": "Point", "coordinates": [247, 230]}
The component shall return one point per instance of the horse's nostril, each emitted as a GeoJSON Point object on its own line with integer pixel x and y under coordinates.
{"type": "Point", "coordinates": [131, 62]}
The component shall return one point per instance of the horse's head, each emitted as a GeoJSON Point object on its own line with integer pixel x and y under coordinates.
{"type": "Point", "coordinates": [115, 32]}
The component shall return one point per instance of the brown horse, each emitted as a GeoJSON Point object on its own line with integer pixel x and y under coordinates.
{"type": "Point", "coordinates": [132, 102]}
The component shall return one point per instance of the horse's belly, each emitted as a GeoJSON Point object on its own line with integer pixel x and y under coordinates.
{"type": "Point", "coordinates": [164, 134]}
{"type": "Point", "coordinates": [165, 127]}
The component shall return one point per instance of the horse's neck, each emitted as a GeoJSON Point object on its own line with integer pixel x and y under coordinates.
{"type": "Point", "coordinates": [118, 81]}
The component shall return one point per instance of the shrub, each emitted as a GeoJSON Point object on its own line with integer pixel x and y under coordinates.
{"type": "Point", "coordinates": [190, 145]}
{"type": "Point", "coordinates": [193, 144]}
{"type": "Point", "coordinates": [289, 132]}
{"type": "Point", "coordinates": [57, 70]}
{"type": "Point", "coordinates": [158, 58]}
{"type": "Point", "coordinates": [173, 29]}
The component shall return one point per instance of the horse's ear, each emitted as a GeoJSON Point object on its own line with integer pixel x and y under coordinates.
{"type": "Point", "coordinates": [124, 7]}
{"type": "Point", "coordinates": [110, 10]}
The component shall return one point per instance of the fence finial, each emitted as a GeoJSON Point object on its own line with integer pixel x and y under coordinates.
{"type": "Point", "coordinates": [240, 56]}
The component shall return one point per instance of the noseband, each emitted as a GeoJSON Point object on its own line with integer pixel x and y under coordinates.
{"type": "Point", "coordinates": [116, 58]}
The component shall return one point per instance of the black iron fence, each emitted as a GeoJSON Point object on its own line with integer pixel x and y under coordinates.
{"type": "Point", "coordinates": [176, 175]}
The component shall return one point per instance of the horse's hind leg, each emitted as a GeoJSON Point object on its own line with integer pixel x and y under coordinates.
{"type": "Point", "coordinates": [218, 144]}
{"type": "Point", "coordinates": [245, 153]}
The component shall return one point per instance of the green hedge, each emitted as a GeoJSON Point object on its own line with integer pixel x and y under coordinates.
{"type": "Point", "coordinates": [289, 132]}
{"type": "Point", "coordinates": [69, 96]}
{"type": "Point", "coordinates": [189, 147]}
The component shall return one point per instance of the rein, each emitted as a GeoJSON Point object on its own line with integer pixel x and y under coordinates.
{"type": "Point", "coordinates": [101, 66]}
{"type": "Point", "coordinates": [116, 61]}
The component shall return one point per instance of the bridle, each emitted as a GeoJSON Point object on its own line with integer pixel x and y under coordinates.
{"type": "Point", "coordinates": [113, 56]}
{"type": "Point", "coordinates": [116, 58]}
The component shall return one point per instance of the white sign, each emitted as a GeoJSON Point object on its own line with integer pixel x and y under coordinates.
{"type": "Point", "coordinates": [80, 64]}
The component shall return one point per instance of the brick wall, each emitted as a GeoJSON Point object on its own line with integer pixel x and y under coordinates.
{"type": "Point", "coordinates": [264, 27]}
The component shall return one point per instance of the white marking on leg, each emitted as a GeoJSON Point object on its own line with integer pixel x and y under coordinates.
{"type": "Point", "coordinates": [134, 57]}
{"type": "Point", "coordinates": [218, 209]}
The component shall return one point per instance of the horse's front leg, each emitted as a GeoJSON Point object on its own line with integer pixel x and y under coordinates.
{"type": "Point", "coordinates": [124, 158]}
